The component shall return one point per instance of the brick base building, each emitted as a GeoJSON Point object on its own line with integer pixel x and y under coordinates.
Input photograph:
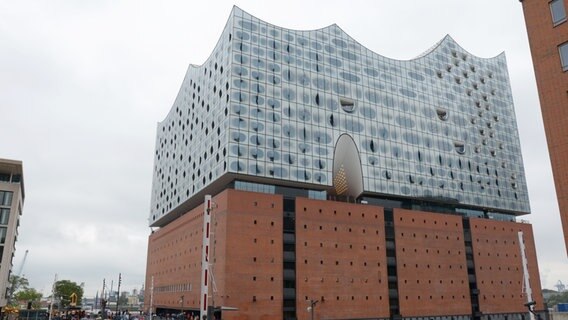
{"type": "Point", "coordinates": [359, 186]}
{"type": "Point", "coordinates": [272, 253]}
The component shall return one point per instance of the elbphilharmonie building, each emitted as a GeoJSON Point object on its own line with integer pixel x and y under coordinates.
{"type": "Point", "coordinates": [367, 186]}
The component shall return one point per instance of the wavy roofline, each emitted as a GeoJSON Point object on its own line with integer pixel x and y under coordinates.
{"type": "Point", "coordinates": [433, 48]}
{"type": "Point", "coordinates": [447, 38]}
{"type": "Point", "coordinates": [193, 66]}
{"type": "Point", "coordinates": [424, 54]}
{"type": "Point", "coordinates": [275, 25]}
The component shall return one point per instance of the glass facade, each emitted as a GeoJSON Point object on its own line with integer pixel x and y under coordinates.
{"type": "Point", "coordinates": [272, 103]}
{"type": "Point", "coordinates": [254, 187]}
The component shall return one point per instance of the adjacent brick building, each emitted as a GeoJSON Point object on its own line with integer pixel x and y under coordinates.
{"type": "Point", "coordinates": [368, 187]}
{"type": "Point", "coordinates": [548, 37]}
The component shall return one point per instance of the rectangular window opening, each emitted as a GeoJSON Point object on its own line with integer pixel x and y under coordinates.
{"type": "Point", "coordinates": [563, 51]}
{"type": "Point", "coordinates": [558, 12]}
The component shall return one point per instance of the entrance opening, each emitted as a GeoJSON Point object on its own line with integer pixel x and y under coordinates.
{"type": "Point", "coordinates": [347, 171]}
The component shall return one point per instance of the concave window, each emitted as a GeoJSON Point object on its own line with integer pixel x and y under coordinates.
{"type": "Point", "coordinates": [460, 147]}
{"type": "Point", "coordinates": [348, 105]}
{"type": "Point", "coordinates": [442, 114]}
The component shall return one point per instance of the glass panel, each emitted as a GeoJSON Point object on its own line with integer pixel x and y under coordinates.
{"type": "Point", "coordinates": [4, 216]}
{"type": "Point", "coordinates": [3, 235]}
{"type": "Point", "coordinates": [558, 11]}
{"type": "Point", "coordinates": [563, 49]}
{"type": "Point", "coordinates": [5, 198]}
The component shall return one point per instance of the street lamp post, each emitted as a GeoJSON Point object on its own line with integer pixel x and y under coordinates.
{"type": "Point", "coordinates": [530, 305]}
{"type": "Point", "coordinates": [312, 307]}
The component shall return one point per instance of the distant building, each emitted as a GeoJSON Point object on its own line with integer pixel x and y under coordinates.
{"type": "Point", "coordinates": [548, 37]}
{"type": "Point", "coordinates": [377, 187]}
{"type": "Point", "coordinates": [133, 300]}
{"type": "Point", "coordinates": [11, 203]}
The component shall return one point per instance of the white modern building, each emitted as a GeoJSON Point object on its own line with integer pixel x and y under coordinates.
{"type": "Point", "coordinates": [317, 108]}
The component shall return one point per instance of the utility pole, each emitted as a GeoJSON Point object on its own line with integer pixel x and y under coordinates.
{"type": "Point", "coordinates": [152, 298]}
{"type": "Point", "coordinates": [52, 295]}
{"type": "Point", "coordinates": [111, 288]}
{"type": "Point", "coordinates": [118, 294]}
{"type": "Point", "coordinates": [103, 300]}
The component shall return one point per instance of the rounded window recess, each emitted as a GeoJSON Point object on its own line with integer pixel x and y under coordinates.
{"type": "Point", "coordinates": [460, 147]}
{"type": "Point", "coordinates": [442, 114]}
{"type": "Point", "coordinates": [348, 105]}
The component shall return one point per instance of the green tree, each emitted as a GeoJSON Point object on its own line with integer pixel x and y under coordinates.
{"type": "Point", "coordinates": [561, 297]}
{"type": "Point", "coordinates": [123, 300]}
{"type": "Point", "coordinates": [64, 289]}
{"type": "Point", "coordinates": [17, 284]}
{"type": "Point", "coordinates": [29, 295]}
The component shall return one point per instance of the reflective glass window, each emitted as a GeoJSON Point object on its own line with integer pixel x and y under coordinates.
{"type": "Point", "coordinates": [5, 198]}
{"type": "Point", "coordinates": [4, 216]}
{"type": "Point", "coordinates": [563, 49]}
{"type": "Point", "coordinates": [558, 11]}
{"type": "Point", "coordinates": [3, 232]}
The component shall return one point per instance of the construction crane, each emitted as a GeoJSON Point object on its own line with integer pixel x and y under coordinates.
{"type": "Point", "coordinates": [560, 286]}
{"type": "Point", "coordinates": [22, 265]}
{"type": "Point", "coordinates": [16, 276]}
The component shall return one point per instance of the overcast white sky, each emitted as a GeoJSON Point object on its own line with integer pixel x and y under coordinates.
{"type": "Point", "coordinates": [84, 83]}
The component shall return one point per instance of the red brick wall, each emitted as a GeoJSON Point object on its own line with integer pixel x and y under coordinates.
{"type": "Point", "coordinates": [247, 260]}
{"type": "Point", "coordinates": [340, 260]}
{"type": "Point", "coordinates": [253, 267]}
{"type": "Point", "coordinates": [552, 84]}
{"type": "Point", "coordinates": [174, 259]}
{"type": "Point", "coordinates": [498, 266]}
{"type": "Point", "coordinates": [431, 264]}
